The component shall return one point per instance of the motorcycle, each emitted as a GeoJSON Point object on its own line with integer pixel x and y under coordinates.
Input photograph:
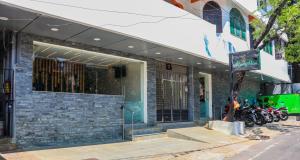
{"type": "Point", "coordinates": [256, 113]}
{"type": "Point", "coordinates": [247, 115]}
{"type": "Point", "coordinates": [274, 114]}
{"type": "Point", "coordinates": [279, 114]}
{"type": "Point", "coordinates": [283, 113]}
{"type": "Point", "coordinates": [244, 113]}
{"type": "Point", "coordinates": [264, 115]}
{"type": "Point", "coordinates": [259, 118]}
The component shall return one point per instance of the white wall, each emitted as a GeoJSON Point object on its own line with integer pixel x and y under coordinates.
{"type": "Point", "coordinates": [250, 5]}
{"type": "Point", "coordinates": [221, 41]}
{"type": "Point", "coordinates": [182, 31]}
{"type": "Point", "coordinates": [271, 67]}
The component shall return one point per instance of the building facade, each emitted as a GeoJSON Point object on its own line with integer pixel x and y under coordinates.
{"type": "Point", "coordinates": [78, 71]}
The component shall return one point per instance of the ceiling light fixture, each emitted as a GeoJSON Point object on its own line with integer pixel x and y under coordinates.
{"type": "Point", "coordinates": [4, 18]}
{"type": "Point", "coordinates": [157, 53]}
{"type": "Point", "coordinates": [54, 29]}
{"type": "Point", "coordinates": [199, 63]}
{"type": "Point", "coordinates": [226, 70]}
{"type": "Point", "coordinates": [130, 47]}
{"type": "Point", "coordinates": [97, 39]}
{"type": "Point", "coordinates": [180, 58]}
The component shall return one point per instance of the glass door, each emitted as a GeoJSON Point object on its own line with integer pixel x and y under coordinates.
{"type": "Point", "coordinates": [205, 96]}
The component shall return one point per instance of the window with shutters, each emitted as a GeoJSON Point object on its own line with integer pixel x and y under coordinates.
{"type": "Point", "coordinates": [269, 48]}
{"type": "Point", "coordinates": [237, 24]}
{"type": "Point", "coordinates": [212, 13]}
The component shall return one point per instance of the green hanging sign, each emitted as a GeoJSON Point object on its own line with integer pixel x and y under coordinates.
{"type": "Point", "coordinates": [245, 61]}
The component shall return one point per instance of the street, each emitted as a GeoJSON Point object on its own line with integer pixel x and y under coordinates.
{"type": "Point", "coordinates": [283, 147]}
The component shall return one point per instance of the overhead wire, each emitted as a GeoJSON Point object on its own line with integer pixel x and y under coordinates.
{"type": "Point", "coordinates": [111, 11]}
{"type": "Point", "coordinates": [163, 18]}
{"type": "Point", "coordinates": [124, 12]}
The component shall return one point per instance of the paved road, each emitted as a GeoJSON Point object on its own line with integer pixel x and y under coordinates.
{"type": "Point", "coordinates": [283, 147]}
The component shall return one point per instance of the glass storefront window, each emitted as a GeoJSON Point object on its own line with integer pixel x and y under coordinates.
{"type": "Point", "coordinates": [64, 69]}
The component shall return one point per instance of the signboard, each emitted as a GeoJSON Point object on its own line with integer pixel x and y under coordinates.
{"type": "Point", "coordinates": [245, 61]}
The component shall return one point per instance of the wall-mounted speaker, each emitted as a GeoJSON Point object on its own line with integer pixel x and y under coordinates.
{"type": "Point", "coordinates": [120, 71]}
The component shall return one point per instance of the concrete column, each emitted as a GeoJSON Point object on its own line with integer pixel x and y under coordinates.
{"type": "Point", "coordinates": [151, 92]}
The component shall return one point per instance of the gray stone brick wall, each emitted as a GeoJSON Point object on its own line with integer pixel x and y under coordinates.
{"type": "Point", "coordinates": [220, 91]}
{"type": "Point", "coordinates": [43, 118]}
{"type": "Point", "coordinates": [191, 95]}
{"type": "Point", "coordinates": [151, 93]}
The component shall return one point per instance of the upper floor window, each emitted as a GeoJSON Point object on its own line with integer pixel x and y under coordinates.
{"type": "Point", "coordinates": [213, 14]}
{"type": "Point", "coordinates": [269, 48]}
{"type": "Point", "coordinates": [237, 24]}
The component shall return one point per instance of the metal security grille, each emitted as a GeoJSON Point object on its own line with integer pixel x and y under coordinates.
{"type": "Point", "coordinates": [172, 95]}
{"type": "Point", "coordinates": [6, 100]}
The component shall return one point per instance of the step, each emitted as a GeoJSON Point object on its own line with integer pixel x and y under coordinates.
{"type": "Point", "coordinates": [143, 131]}
{"type": "Point", "coordinates": [137, 126]}
{"type": "Point", "coordinates": [165, 126]}
{"type": "Point", "coordinates": [149, 136]}
{"type": "Point", "coordinates": [7, 147]}
{"type": "Point", "coordinates": [5, 140]}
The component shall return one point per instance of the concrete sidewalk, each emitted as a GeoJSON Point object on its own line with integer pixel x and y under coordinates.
{"type": "Point", "coordinates": [127, 150]}
{"type": "Point", "coordinates": [189, 143]}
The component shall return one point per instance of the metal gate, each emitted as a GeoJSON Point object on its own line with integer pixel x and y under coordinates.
{"type": "Point", "coordinates": [6, 101]}
{"type": "Point", "coordinates": [172, 96]}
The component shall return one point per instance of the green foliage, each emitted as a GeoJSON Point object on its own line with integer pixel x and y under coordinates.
{"type": "Point", "coordinates": [292, 51]}
{"type": "Point", "coordinates": [287, 22]}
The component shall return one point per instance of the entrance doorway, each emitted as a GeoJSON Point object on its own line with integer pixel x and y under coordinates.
{"type": "Point", "coordinates": [205, 94]}
{"type": "Point", "coordinates": [172, 93]}
{"type": "Point", "coordinates": [6, 102]}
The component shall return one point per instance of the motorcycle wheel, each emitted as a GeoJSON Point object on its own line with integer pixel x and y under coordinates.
{"type": "Point", "coordinates": [270, 119]}
{"type": "Point", "coordinates": [249, 122]}
{"type": "Point", "coordinates": [276, 119]}
{"type": "Point", "coordinates": [284, 116]}
{"type": "Point", "coordinates": [260, 120]}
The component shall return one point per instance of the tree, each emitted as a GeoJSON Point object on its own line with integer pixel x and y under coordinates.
{"type": "Point", "coordinates": [277, 17]}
